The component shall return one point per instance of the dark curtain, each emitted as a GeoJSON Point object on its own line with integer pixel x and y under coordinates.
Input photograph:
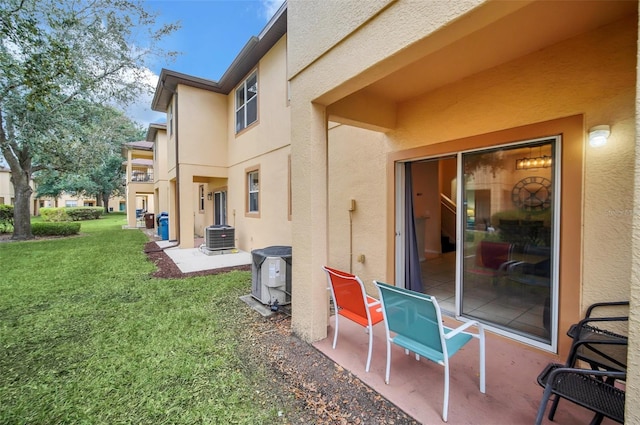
{"type": "Point", "coordinates": [412, 273]}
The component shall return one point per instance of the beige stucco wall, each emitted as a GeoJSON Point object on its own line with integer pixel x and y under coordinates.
{"type": "Point", "coordinates": [592, 74]}
{"type": "Point", "coordinates": [363, 180]}
{"type": "Point", "coordinates": [265, 145]}
{"type": "Point", "coordinates": [201, 127]}
{"type": "Point", "coordinates": [632, 413]}
{"type": "Point", "coordinates": [561, 80]}
{"type": "Point", "coordinates": [200, 133]}
{"type": "Point", "coordinates": [161, 171]}
{"type": "Point", "coordinates": [272, 130]}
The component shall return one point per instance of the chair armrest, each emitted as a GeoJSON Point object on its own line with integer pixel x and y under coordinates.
{"type": "Point", "coordinates": [551, 379]}
{"type": "Point", "coordinates": [574, 330]}
{"type": "Point", "coordinates": [462, 328]}
{"type": "Point", "coordinates": [372, 301]}
{"type": "Point", "coordinates": [604, 304]}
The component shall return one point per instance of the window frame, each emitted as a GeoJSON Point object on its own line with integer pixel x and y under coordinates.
{"type": "Point", "coordinates": [201, 204]}
{"type": "Point", "coordinates": [248, 172]}
{"type": "Point", "coordinates": [244, 89]}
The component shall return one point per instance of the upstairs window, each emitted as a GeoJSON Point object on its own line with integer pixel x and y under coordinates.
{"type": "Point", "coordinates": [247, 102]}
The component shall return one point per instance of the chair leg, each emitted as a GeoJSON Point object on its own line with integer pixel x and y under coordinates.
{"type": "Point", "coordinates": [543, 404]}
{"type": "Point", "coordinates": [445, 406]}
{"type": "Point", "coordinates": [554, 406]}
{"type": "Point", "coordinates": [335, 332]}
{"type": "Point", "coordinates": [386, 376]}
{"type": "Point", "coordinates": [370, 332]}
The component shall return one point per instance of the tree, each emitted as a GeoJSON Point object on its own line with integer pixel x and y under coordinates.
{"type": "Point", "coordinates": [57, 60]}
{"type": "Point", "coordinates": [97, 170]}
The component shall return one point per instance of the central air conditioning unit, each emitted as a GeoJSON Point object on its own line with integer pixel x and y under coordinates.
{"type": "Point", "coordinates": [219, 237]}
{"type": "Point", "coordinates": [271, 275]}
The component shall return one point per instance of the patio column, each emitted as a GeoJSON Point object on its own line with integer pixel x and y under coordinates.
{"type": "Point", "coordinates": [309, 224]}
{"type": "Point", "coordinates": [632, 413]}
{"type": "Point", "coordinates": [187, 207]}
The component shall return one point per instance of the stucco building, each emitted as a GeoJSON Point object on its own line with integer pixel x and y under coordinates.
{"type": "Point", "coordinates": [470, 88]}
{"type": "Point", "coordinates": [227, 146]}
{"type": "Point", "coordinates": [380, 136]}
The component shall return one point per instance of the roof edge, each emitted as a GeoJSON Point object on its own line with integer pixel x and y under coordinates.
{"type": "Point", "coordinates": [255, 48]}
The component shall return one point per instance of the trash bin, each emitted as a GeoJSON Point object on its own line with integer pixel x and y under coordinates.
{"type": "Point", "coordinates": [148, 220]}
{"type": "Point", "coordinates": [162, 214]}
{"type": "Point", "coordinates": [164, 228]}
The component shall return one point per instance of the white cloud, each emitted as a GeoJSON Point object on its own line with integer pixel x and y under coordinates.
{"type": "Point", "coordinates": [270, 7]}
{"type": "Point", "coordinates": [140, 110]}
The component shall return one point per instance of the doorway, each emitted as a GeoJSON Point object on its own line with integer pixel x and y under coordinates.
{"type": "Point", "coordinates": [485, 224]}
{"type": "Point", "coordinates": [220, 207]}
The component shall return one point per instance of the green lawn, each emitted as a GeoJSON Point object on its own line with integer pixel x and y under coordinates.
{"type": "Point", "coordinates": [88, 337]}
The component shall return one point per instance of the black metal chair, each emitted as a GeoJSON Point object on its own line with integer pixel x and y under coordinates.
{"type": "Point", "coordinates": [592, 389]}
{"type": "Point", "coordinates": [605, 350]}
{"type": "Point", "coordinates": [601, 341]}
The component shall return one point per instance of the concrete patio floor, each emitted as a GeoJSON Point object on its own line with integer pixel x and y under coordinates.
{"type": "Point", "coordinates": [512, 393]}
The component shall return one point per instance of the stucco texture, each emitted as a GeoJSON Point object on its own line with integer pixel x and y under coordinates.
{"type": "Point", "coordinates": [592, 75]}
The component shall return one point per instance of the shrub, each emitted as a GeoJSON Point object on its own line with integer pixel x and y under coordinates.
{"type": "Point", "coordinates": [55, 229]}
{"type": "Point", "coordinates": [70, 213]}
{"type": "Point", "coordinates": [84, 213]}
{"type": "Point", "coordinates": [6, 218]}
{"type": "Point", "coordinates": [53, 214]}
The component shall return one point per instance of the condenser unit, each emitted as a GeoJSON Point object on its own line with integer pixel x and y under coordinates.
{"type": "Point", "coordinates": [271, 275]}
{"type": "Point", "coordinates": [219, 237]}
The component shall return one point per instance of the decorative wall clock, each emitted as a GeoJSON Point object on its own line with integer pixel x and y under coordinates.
{"type": "Point", "coordinates": [532, 194]}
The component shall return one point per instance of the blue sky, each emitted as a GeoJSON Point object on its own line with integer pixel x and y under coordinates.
{"type": "Point", "coordinates": [212, 34]}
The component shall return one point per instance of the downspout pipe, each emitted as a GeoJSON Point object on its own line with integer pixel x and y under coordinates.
{"type": "Point", "coordinates": [174, 128]}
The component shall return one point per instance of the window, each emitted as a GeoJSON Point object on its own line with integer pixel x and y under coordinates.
{"type": "Point", "coordinates": [69, 204]}
{"type": "Point", "coordinates": [201, 197]}
{"type": "Point", "coordinates": [253, 191]}
{"type": "Point", "coordinates": [247, 103]}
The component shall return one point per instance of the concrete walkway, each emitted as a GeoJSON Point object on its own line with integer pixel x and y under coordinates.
{"type": "Point", "coordinates": [196, 259]}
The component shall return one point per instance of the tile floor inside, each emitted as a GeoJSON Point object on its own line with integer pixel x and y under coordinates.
{"type": "Point", "coordinates": [505, 304]}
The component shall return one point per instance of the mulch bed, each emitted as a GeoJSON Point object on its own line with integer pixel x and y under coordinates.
{"type": "Point", "coordinates": [323, 392]}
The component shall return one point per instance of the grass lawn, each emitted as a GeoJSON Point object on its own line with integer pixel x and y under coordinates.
{"type": "Point", "coordinates": [88, 337]}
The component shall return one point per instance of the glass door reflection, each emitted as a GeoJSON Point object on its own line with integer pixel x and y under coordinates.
{"type": "Point", "coordinates": [507, 256]}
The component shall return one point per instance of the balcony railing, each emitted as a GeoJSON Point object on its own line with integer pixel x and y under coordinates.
{"type": "Point", "coordinates": [142, 176]}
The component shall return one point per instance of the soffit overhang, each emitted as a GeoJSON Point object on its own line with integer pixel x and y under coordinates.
{"type": "Point", "coordinates": [481, 39]}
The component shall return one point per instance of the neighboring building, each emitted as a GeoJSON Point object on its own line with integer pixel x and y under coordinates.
{"type": "Point", "coordinates": [116, 203]}
{"type": "Point", "coordinates": [157, 134]}
{"type": "Point", "coordinates": [6, 187]}
{"type": "Point", "coordinates": [139, 187]}
{"type": "Point", "coordinates": [227, 146]}
{"type": "Point", "coordinates": [458, 94]}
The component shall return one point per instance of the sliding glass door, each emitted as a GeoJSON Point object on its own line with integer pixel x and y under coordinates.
{"type": "Point", "coordinates": [508, 250]}
{"type": "Point", "coordinates": [499, 265]}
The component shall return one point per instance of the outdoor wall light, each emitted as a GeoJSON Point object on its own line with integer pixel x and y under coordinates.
{"type": "Point", "coordinates": [598, 135]}
{"type": "Point", "coordinates": [210, 196]}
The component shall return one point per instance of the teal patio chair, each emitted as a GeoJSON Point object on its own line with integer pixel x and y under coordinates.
{"type": "Point", "coordinates": [416, 323]}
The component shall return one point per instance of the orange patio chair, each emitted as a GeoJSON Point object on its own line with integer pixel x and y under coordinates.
{"type": "Point", "coordinates": [351, 301]}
